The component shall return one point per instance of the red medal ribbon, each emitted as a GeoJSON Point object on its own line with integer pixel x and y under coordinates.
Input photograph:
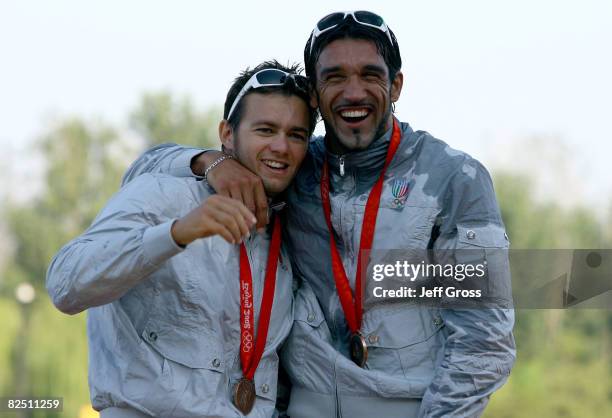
{"type": "Point", "coordinates": [251, 348]}
{"type": "Point", "coordinates": [353, 306]}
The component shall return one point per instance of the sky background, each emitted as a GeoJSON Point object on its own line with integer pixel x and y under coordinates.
{"type": "Point", "coordinates": [524, 85]}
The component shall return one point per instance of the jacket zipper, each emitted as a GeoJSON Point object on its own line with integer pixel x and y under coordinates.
{"type": "Point", "coordinates": [341, 162]}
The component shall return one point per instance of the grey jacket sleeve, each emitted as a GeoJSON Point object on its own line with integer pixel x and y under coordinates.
{"type": "Point", "coordinates": [479, 349]}
{"type": "Point", "coordinates": [128, 240]}
{"type": "Point", "coordinates": [167, 158]}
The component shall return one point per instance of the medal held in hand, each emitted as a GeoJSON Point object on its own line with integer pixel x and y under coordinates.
{"type": "Point", "coordinates": [251, 347]}
{"type": "Point", "coordinates": [352, 305]}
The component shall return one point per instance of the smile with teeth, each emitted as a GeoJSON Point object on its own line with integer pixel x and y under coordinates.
{"type": "Point", "coordinates": [277, 165]}
{"type": "Point", "coordinates": [354, 115]}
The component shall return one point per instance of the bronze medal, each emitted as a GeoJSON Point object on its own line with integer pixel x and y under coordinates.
{"type": "Point", "coordinates": [359, 349]}
{"type": "Point", "coordinates": [244, 395]}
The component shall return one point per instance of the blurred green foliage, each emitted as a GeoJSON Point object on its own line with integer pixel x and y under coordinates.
{"type": "Point", "coordinates": [161, 117]}
{"type": "Point", "coordinates": [563, 367]}
{"type": "Point", "coordinates": [564, 357]}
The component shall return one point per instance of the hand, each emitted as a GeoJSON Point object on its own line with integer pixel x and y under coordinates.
{"type": "Point", "coordinates": [232, 179]}
{"type": "Point", "coordinates": [217, 215]}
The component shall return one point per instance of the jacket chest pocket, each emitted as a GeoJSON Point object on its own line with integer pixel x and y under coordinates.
{"type": "Point", "coordinates": [487, 246]}
{"type": "Point", "coordinates": [307, 347]}
{"type": "Point", "coordinates": [185, 357]}
{"type": "Point", "coordinates": [400, 227]}
{"type": "Point", "coordinates": [403, 340]}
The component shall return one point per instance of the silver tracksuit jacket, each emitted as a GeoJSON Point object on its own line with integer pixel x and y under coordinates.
{"type": "Point", "coordinates": [424, 361]}
{"type": "Point", "coordinates": [163, 322]}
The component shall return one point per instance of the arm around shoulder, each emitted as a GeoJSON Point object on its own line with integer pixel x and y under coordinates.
{"type": "Point", "coordinates": [175, 160]}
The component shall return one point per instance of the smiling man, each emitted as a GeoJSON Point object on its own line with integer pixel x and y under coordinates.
{"type": "Point", "coordinates": [373, 183]}
{"type": "Point", "coordinates": [353, 90]}
{"type": "Point", "coordinates": [186, 308]}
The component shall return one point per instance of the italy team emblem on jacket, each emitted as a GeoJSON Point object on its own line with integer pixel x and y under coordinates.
{"type": "Point", "coordinates": [399, 190]}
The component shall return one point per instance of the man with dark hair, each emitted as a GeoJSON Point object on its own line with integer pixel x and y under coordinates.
{"type": "Point", "coordinates": [186, 308]}
{"type": "Point", "coordinates": [373, 183]}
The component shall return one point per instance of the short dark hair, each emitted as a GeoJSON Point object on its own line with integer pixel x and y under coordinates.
{"type": "Point", "coordinates": [349, 29]}
{"type": "Point", "coordinates": [287, 89]}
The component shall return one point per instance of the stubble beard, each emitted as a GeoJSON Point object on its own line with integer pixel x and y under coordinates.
{"type": "Point", "coordinates": [341, 147]}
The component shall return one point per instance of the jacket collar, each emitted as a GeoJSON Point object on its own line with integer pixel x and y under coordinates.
{"type": "Point", "coordinates": [367, 162]}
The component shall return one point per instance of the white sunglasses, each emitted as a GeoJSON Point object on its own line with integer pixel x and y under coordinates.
{"type": "Point", "coordinates": [268, 77]}
{"type": "Point", "coordinates": [362, 17]}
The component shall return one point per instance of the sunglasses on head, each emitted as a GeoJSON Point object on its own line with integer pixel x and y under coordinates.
{"type": "Point", "coordinates": [362, 17]}
{"type": "Point", "coordinates": [269, 77]}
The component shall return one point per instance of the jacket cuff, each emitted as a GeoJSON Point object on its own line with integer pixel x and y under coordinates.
{"type": "Point", "coordinates": [181, 164]}
{"type": "Point", "coordinates": [158, 244]}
